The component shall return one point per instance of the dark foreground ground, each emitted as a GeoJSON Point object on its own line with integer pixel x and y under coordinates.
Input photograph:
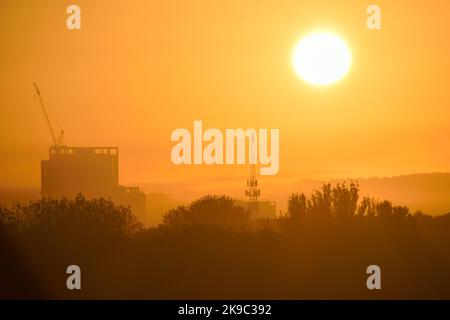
{"type": "Point", "coordinates": [296, 257]}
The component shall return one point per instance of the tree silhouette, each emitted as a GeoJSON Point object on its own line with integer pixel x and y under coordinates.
{"type": "Point", "coordinates": [209, 211]}
{"type": "Point", "coordinates": [297, 206]}
{"type": "Point", "coordinates": [345, 199]}
{"type": "Point", "coordinates": [320, 202]}
{"type": "Point", "coordinates": [367, 207]}
{"type": "Point", "coordinates": [77, 215]}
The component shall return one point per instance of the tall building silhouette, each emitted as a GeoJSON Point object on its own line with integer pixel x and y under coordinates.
{"type": "Point", "coordinates": [91, 171]}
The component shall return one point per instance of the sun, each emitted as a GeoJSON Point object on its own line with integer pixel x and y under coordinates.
{"type": "Point", "coordinates": [321, 58]}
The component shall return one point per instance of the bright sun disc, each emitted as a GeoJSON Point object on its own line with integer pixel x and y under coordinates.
{"type": "Point", "coordinates": [321, 58]}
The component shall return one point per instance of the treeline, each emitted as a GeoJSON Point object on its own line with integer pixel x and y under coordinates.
{"type": "Point", "coordinates": [212, 248]}
{"type": "Point", "coordinates": [343, 201]}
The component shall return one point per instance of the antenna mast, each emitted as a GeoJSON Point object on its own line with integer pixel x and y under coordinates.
{"type": "Point", "coordinates": [252, 192]}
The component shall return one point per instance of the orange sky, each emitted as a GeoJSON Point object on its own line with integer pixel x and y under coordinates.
{"type": "Point", "coordinates": [140, 69]}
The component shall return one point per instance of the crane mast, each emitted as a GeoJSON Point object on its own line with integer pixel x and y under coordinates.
{"type": "Point", "coordinates": [57, 142]}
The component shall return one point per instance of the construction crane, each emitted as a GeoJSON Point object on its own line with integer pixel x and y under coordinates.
{"type": "Point", "coordinates": [57, 141]}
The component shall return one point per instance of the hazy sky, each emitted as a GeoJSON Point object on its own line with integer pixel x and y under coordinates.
{"type": "Point", "coordinates": [137, 70]}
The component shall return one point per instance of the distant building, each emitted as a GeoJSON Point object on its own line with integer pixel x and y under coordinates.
{"type": "Point", "coordinates": [91, 171]}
